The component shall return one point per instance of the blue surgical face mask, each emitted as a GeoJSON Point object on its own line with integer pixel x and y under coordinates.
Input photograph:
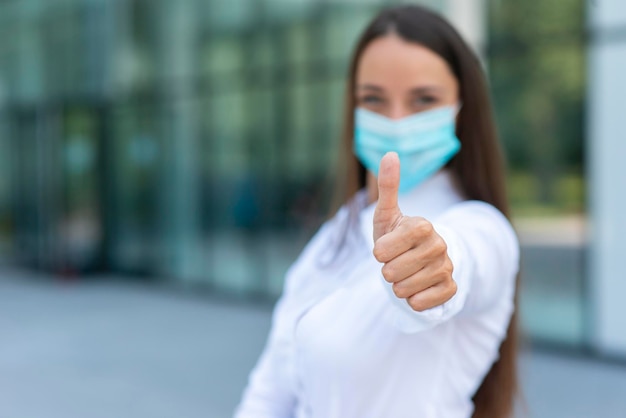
{"type": "Point", "coordinates": [425, 142]}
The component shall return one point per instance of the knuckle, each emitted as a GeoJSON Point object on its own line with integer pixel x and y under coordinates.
{"type": "Point", "coordinates": [379, 252]}
{"type": "Point", "coordinates": [442, 278]}
{"type": "Point", "coordinates": [419, 229]}
{"type": "Point", "coordinates": [417, 304]}
{"type": "Point", "coordinates": [448, 291]}
{"type": "Point", "coordinates": [442, 247]}
{"type": "Point", "coordinates": [399, 291]}
{"type": "Point", "coordinates": [453, 288]}
{"type": "Point", "coordinates": [388, 272]}
{"type": "Point", "coordinates": [445, 268]}
{"type": "Point", "coordinates": [426, 227]}
{"type": "Point", "coordinates": [417, 233]}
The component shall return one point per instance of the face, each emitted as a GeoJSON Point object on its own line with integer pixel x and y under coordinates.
{"type": "Point", "coordinates": [397, 78]}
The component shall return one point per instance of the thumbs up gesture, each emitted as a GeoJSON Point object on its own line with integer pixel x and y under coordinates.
{"type": "Point", "coordinates": [415, 257]}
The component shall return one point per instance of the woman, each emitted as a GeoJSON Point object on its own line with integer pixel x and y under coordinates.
{"type": "Point", "coordinates": [419, 321]}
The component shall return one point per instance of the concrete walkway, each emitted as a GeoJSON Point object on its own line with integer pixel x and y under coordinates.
{"type": "Point", "coordinates": [106, 348]}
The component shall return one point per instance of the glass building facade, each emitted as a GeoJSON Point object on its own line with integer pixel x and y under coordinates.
{"type": "Point", "coordinates": [195, 142]}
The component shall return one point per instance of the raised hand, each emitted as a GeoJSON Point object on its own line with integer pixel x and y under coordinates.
{"type": "Point", "coordinates": [415, 257]}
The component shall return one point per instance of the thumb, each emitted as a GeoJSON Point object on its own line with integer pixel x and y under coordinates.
{"type": "Point", "coordinates": [387, 212]}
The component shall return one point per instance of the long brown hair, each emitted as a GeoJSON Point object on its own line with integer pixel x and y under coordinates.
{"type": "Point", "coordinates": [478, 167]}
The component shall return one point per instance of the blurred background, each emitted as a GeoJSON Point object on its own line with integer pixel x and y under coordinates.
{"type": "Point", "coordinates": [153, 149]}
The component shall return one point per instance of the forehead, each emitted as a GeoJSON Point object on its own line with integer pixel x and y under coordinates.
{"type": "Point", "coordinates": [392, 61]}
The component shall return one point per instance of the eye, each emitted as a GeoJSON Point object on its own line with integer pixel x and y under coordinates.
{"type": "Point", "coordinates": [425, 101]}
{"type": "Point", "coordinates": [370, 99]}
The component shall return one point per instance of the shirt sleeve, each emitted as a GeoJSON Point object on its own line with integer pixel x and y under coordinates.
{"type": "Point", "coordinates": [484, 251]}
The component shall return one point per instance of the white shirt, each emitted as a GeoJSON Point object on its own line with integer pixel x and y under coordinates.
{"type": "Point", "coordinates": [342, 345]}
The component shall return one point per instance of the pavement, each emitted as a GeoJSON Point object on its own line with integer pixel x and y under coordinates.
{"type": "Point", "coordinates": [109, 347]}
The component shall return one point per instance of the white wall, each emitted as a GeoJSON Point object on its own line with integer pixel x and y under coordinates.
{"type": "Point", "coordinates": [606, 145]}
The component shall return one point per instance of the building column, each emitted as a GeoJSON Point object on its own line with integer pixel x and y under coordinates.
{"type": "Point", "coordinates": [606, 175]}
{"type": "Point", "coordinates": [181, 207]}
{"type": "Point", "coordinates": [469, 17]}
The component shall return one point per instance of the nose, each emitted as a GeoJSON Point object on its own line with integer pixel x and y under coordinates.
{"type": "Point", "coordinates": [398, 110]}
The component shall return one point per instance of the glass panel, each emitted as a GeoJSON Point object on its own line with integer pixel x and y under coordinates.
{"type": "Point", "coordinates": [59, 50]}
{"type": "Point", "coordinates": [7, 222]}
{"type": "Point", "coordinates": [237, 207]}
{"type": "Point", "coordinates": [231, 15]}
{"type": "Point", "coordinates": [37, 185]}
{"type": "Point", "coordinates": [179, 193]}
{"type": "Point", "coordinates": [80, 227]}
{"type": "Point", "coordinates": [27, 210]}
{"type": "Point", "coordinates": [137, 152]}
{"type": "Point", "coordinates": [536, 63]}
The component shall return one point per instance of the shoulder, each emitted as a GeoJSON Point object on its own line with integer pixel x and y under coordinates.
{"type": "Point", "coordinates": [320, 250]}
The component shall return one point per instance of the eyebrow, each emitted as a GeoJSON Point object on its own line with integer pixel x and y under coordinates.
{"type": "Point", "coordinates": [369, 87]}
{"type": "Point", "coordinates": [415, 90]}
{"type": "Point", "coordinates": [425, 89]}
